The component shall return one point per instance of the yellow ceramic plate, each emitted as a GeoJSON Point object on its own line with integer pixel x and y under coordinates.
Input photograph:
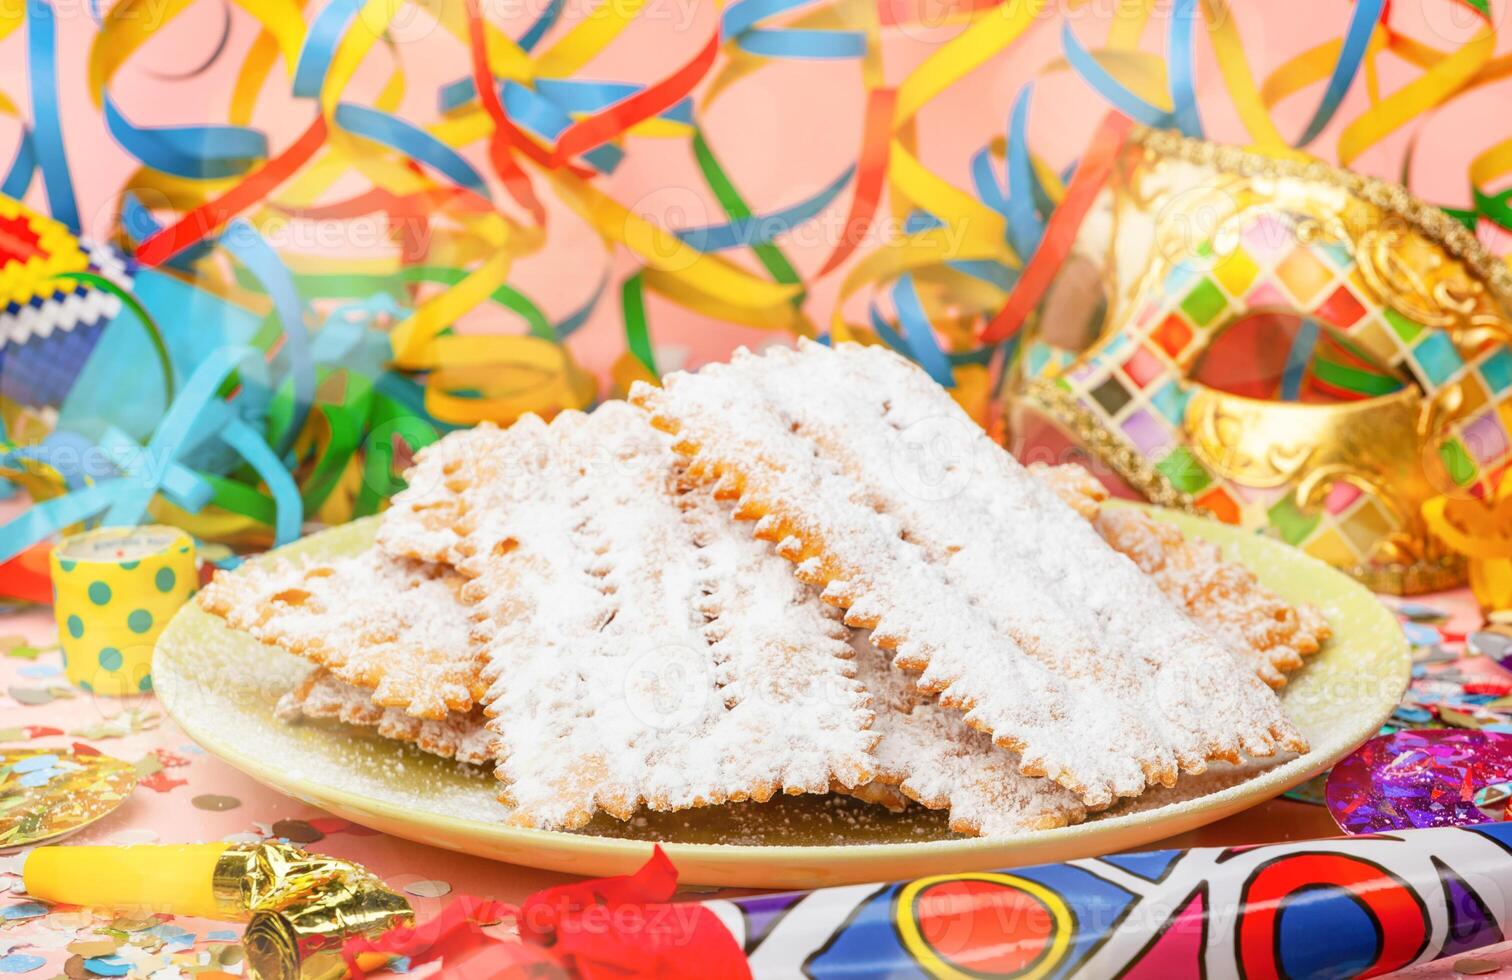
{"type": "Point", "coordinates": [220, 686]}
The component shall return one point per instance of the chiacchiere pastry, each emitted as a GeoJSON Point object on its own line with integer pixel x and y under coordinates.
{"type": "Point", "coordinates": [1003, 600]}
{"type": "Point", "coordinates": [460, 735]}
{"type": "Point", "coordinates": [387, 626]}
{"type": "Point", "coordinates": [559, 600]}
{"type": "Point", "coordinates": [637, 652]}
{"type": "Point", "coordinates": [1223, 596]}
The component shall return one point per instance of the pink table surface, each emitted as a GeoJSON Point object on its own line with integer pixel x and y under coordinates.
{"type": "Point", "coordinates": [162, 810]}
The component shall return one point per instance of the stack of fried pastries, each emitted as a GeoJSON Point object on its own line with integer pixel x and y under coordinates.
{"type": "Point", "coordinates": [910, 612]}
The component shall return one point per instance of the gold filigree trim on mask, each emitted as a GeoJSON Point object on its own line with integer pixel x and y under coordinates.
{"type": "Point", "coordinates": [1427, 574]}
{"type": "Point", "coordinates": [1430, 221]}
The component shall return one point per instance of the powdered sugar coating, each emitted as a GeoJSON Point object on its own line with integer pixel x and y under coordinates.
{"type": "Point", "coordinates": [1223, 596]}
{"type": "Point", "coordinates": [460, 735]}
{"type": "Point", "coordinates": [640, 651]}
{"type": "Point", "coordinates": [1013, 608]}
{"type": "Point", "coordinates": [935, 758]}
{"type": "Point", "coordinates": [393, 627]}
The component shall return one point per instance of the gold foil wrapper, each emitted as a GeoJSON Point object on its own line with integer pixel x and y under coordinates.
{"type": "Point", "coordinates": [303, 940]}
{"type": "Point", "coordinates": [303, 907]}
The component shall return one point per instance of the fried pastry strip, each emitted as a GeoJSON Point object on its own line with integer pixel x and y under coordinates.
{"type": "Point", "coordinates": [929, 753]}
{"type": "Point", "coordinates": [1223, 596]}
{"type": "Point", "coordinates": [639, 652]}
{"type": "Point", "coordinates": [389, 626]}
{"type": "Point", "coordinates": [461, 735]}
{"type": "Point", "coordinates": [884, 493]}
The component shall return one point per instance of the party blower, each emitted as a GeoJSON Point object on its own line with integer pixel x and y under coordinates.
{"type": "Point", "coordinates": [299, 907]}
{"type": "Point", "coordinates": [1345, 907]}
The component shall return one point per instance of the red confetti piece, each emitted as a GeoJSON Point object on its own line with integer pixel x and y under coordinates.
{"type": "Point", "coordinates": [79, 748]}
{"type": "Point", "coordinates": [161, 782]}
{"type": "Point", "coordinates": [41, 731]}
{"type": "Point", "coordinates": [1494, 688]}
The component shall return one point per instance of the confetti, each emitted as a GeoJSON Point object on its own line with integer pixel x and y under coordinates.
{"type": "Point", "coordinates": [108, 966]}
{"type": "Point", "coordinates": [24, 652]}
{"type": "Point", "coordinates": [26, 910]}
{"type": "Point", "coordinates": [91, 948]}
{"type": "Point", "coordinates": [215, 802]}
{"type": "Point", "coordinates": [1421, 634]}
{"type": "Point", "coordinates": [39, 671]}
{"type": "Point", "coordinates": [296, 831]}
{"type": "Point", "coordinates": [56, 793]}
{"type": "Point", "coordinates": [1473, 966]}
{"type": "Point", "coordinates": [1490, 643]}
{"type": "Point", "coordinates": [1416, 779]}
{"type": "Point", "coordinates": [20, 963]}
{"type": "Point", "coordinates": [127, 722]}
{"type": "Point", "coordinates": [1421, 612]}
{"type": "Point", "coordinates": [426, 888]}
{"type": "Point", "coordinates": [31, 696]}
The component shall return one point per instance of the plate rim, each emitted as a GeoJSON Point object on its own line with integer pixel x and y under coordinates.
{"type": "Point", "coordinates": [567, 849]}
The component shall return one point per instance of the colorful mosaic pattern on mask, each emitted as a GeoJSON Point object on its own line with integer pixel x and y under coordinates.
{"type": "Point", "coordinates": [1137, 381]}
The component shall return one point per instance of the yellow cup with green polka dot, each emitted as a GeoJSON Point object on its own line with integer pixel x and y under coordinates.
{"type": "Point", "coordinates": [114, 589]}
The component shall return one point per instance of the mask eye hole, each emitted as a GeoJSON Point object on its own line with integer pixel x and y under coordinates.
{"type": "Point", "coordinates": [1282, 355]}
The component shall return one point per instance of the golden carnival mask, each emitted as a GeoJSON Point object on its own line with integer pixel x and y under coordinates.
{"type": "Point", "coordinates": [1281, 344]}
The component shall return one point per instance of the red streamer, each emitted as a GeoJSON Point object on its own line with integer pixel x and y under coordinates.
{"type": "Point", "coordinates": [211, 216]}
{"type": "Point", "coordinates": [607, 123]}
{"type": "Point", "coordinates": [620, 927]}
{"type": "Point", "coordinates": [1091, 174]}
{"type": "Point", "coordinates": [876, 139]}
{"type": "Point", "coordinates": [505, 136]}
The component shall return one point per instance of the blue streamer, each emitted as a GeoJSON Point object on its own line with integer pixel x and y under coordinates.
{"type": "Point", "coordinates": [883, 329]}
{"type": "Point", "coordinates": [46, 516]}
{"type": "Point", "coordinates": [546, 119]}
{"type": "Point", "coordinates": [1025, 229]}
{"type": "Point", "coordinates": [249, 247]}
{"type": "Point", "coordinates": [569, 324]}
{"type": "Point", "coordinates": [1182, 72]}
{"type": "Point", "coordinates": [41, 55]}
{"type": "Point", "coordinates": [196, 152]}
{"type": "Point", "coordinates": [739, 25]}
{"type": "Point", "coordinates": [762, 228]}
{"type": "Point", "coordinates": [1110, 88]}
{"type": "Point", "coordinates": [746, 14]}
{"type": "Point", "coordinates": [918, 334]}
{"type": "Point", "coordinates": [23, 165]}
{"type": "Point", "coordinates": [409, 139]}
{"type": "Point", "coordinates": [543, 23]}
{"type": "Point", "coordinates": [803, 44]}
{"type": "Point", "coordinates": [1356, 41]}
{"type": "Point", "coordinates": [185, 487]}
{"type": "Point", "coordinates": [985, 180]}
{"type": "Point", "coordinates": [288, 506]}
{"type": "Point", "coordinates": [320, 46]}
{"type": "Point", "coordinates": [1297, 360]}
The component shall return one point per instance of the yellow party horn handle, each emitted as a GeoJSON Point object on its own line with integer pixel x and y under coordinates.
{"type": "Point", "coordinates": [178, 879]}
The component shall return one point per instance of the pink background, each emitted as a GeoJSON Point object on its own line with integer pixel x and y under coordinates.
{"type": "Point", "coordinates": [782, 133]}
